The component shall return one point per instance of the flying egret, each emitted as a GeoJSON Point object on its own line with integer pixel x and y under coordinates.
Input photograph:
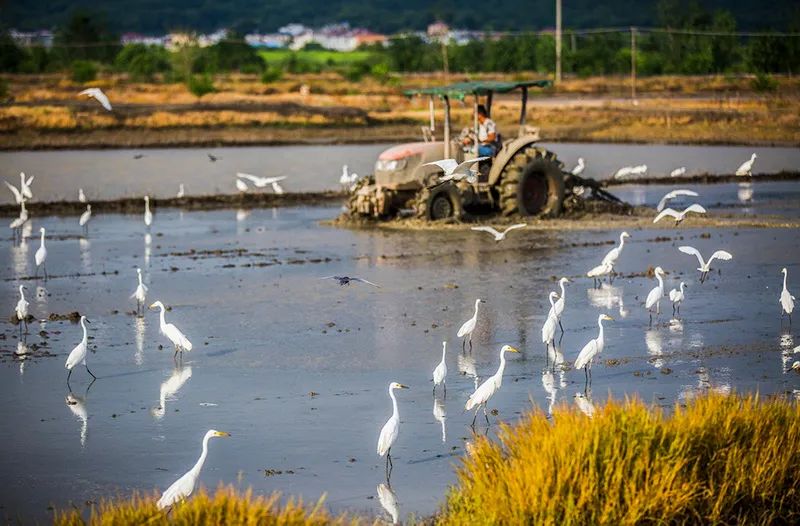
{"type": "Point", "coordinates": [21, 309]}
{"type": "Point", "coordinates": [580, 167]}
{"type": "Point", "coordinates": [277, 188]}
{"type": "Point", "coordinates": [677, 172]}
{"type": "Point", "coordinates": [140, 293]}
{"type": "Point", "coordinates": [489, 387]}
{"type": "Point", "coordinates": [549, 327]}
{"type": "Point", "coordinates": [676, 297]}
{"type": "Point", "coordinates": [440, 373]}
{"type": "Point", "coordinates": [346, 280]}
{"type": "Point", "coordinates": [260, 182]}
{"type": "Point", "coordinates": [390, 429]}
{"type": "Point", "coordinates": [241, 185]}
{"type": "Point", "coordinates": [452, 169]}
{"type": "Point", "coordinates": [558, 308]}
{"type": "Point", "coordinates": [183, 487]}
{"type": "Point", "coordinates": [148, 215]}
{"type": "Point", "coordinates": [81, 196]}
{"type": "Point", "coordinates": [98, 95]}
{"type": "Point", "coordinates": [169, 387]}
{"type": "Point", "coordinates": [679, 216]}
{"type": "Point", "coordinates": [41, 256]}
{"type": "Point", "coordinates": [672, 195]}
{"type": "Point", "coordinates": [603, 269]}
{"type": "Point", "coordinates": [469, 326]}
{"type": "Point", "coordinates": [25, 185]}
{"type": "Point", "coordinates": [84, 220]}
{"type": "Point", "coordinates": [747, 167]}
{"type": "Point", "coordinates": [181, 192]}
{"type": "Point", "coordinates": [613, 255]}
{"type": "Point", "coordinates": [786, 300]}
{"type": "Point", "coordinates": [592, 349]}
{"type": "Point", "coordinates": [172, 333]}
{"type": "Point", "coordinates": [18, 197]}
{"type": "Point", "coordinates": [705, 266]}
{"type": "Point", "coordinates": [498, 236]}
{"type": "Point", "coordinates": [654, 296]}
{"type": "Point", "coordinates": [78, 354]}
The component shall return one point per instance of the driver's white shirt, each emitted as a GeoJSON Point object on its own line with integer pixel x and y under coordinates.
{"type": "Point", "coordinates": [488, 126]}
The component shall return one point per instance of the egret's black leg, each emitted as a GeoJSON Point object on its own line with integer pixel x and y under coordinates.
{"type": "Point", "coordinates": [90, 372]}
{"type": "Point", "coordinates": [68, 375]}
{"type": "Point", "coordinates": [475, 418]}
{"type": "Point", "coordinates": [486, 415]}
{"type": "Point", "coordinates": [561, 326]}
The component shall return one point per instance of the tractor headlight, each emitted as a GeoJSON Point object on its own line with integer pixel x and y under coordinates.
{"type": "Point", "coordinates": [389, 165]}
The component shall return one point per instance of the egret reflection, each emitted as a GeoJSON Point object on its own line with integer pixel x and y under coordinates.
{"type": "Point", "coordinates": [148, 239]}
{"type": "Point", "coordinates": [19, 258]}
{"type": "Point", "coordinates": [607, 297]}
{"type": "Point", "coordinates": [786, 343]}
{"type": "Point", "coordinates": [388, 499]}
{"type": "Point", "coordinates": [21, 354]}
{"type": "Point", "coordinates": [704, 385]}
{"type": "Point", "coordinates": [655, 347]}
{"type": "Point", "coordinates": [549, 384]}
{"type": "Point", "coordinates": [440, 414]}
{"type": "Point", "coordinates": [139, 326]}
{"type": "Point", "coordinates": [77, 406]}
{"type": "Point", "coordinates": [745, 192]}
{"type": "Point", "coordinates": [466, 366]}
{"type": "Point", "coordinates": [170, 387]}
{"type": "Point", "coordinates": [86, 254]}
{"type": "Point", "coordinates": [584, 403]}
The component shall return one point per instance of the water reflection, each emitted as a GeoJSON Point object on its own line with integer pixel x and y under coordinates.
{"type": "Point", "coordinates": [705, 384]}
{"type": "Point", "coordinates": [440, 414]}
{"type": "Point", "coordinates": [607, 297]}
{"type": "Point", "coordinates": [139, 327]}
{"type": "Point", "coordinates": [19, 258]}
{"type": "Point", "coordinates": [148, 239]}
{"type": "Point", "coordinates": [21, 354]}
{"type": "Point", "coordinates": [466, 366]}
{"type": "Point", "coordinates": [86, 255]}
{"type": "Point", "coordinates": [170, 387]}
{"type": "Point", "coordinates": [77, 405]}
{"type": "Point", "coordinates": [584, 403]}
{"type": "Point", "coordinates": [655, 347]}
{"type": "Point", "coordinates": [388, 499]}
{"type": "Point", "coordinates": [745, 192]}
{"type": "Point", "coordinates": [549, 384]}
{"type": "Point", "coordinates": [786, 343]}
{"type": "Point", "coordinates": [555, 356]}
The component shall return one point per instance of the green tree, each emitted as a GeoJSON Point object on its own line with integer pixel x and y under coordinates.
{"type": "Point", "coordinates": [85, 37]}
{"type": "Point", "coordinates": [143, 62]}
{"type": "Point", "coordinates": [11, 56]}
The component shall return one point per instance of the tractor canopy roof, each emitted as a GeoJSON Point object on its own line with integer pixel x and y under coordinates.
{"type": "Point", "coordinates": [460, 90]}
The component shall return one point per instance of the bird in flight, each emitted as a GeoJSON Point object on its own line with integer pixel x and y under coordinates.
{"type": "Point", "coordinates": [346, 280]}
{"type": "Point", "coordinates": [453, 170]}
{"type": "Point", "coordinates": [98, 95]}
{"type": "Point", "coordinates": [213, 158]}
{"type": "Point", "coordinates": [260, 182]}
{"type": "Point", "coordinates": [499, 236]}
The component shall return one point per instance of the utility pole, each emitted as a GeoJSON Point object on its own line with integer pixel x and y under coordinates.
{"type": "Point", "coordinates": [558, 41]}
{"type": "Point", "coordinates": [633, 64]}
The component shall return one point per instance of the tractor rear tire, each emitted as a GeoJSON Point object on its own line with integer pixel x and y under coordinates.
{"type": "Point", "coordinates": [532, 184]}
{"type": "Point", "coordinates": [439, 202]}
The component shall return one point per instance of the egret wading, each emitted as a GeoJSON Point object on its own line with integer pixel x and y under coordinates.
{"type": "Point", "coordinates": [676, 297]}
{"type": "Point", "coordinates": [21, 310]}
{"type": "Point", "coordinates": [558, 308]}
{"type": "Point", "coordinates": [390, 430]}
{"type": "Point", "coordinates": [148, 215]}
{"type": "Point", "coordinates": [746, 167]}
{"type": "Point", "coordinates": [592, 349]}
{"type": "Point", "coordinates": [84, 220]}
{"type": "Point", "coordinates": [41, 256]}
{"type": "Point", "coordinates": [549, 327]}
{"type": "Point", "coordinates": [786, 300]}
{"type": "Point", "coordinates": [488, 388]}
{"type": "Point", "coordinates": [173, 334]}
{"type": "Point", "coordinates": [140, 293]}
{"type": "Point", "coordinates": [469, 326]}
{"type": "Point", "coordinates": [654, 297]}
{"type": "Point", "coordinates": [440, 373]}
{"type": "Point", "coordinates": [78, 354]}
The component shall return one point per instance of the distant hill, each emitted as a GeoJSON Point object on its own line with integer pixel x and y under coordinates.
{"type": "Point", "coordinates": [389, 16]}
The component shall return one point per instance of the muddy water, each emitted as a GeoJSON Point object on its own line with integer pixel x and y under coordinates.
{"type": "Point", "coordinates": [296, 368]}
{"type": "Point", "coordinates": [158, 172]}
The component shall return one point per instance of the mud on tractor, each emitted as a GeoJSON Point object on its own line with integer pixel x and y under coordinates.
{"type": "Point", "coordinates": [522, 178]}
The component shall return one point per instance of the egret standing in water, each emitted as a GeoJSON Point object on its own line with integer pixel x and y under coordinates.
{"type": "Point", "coordinates": [390, 430]}
{"type": "Point", "coordinates": [181, 192]}
{"type": "Point", "coordinates": [705, 266]}
{"type": "Point", "coordinates": [603, 269]}
{"type": "Point", "coordinates": [614, 254]}
{"type": "Point", "coordinates": [172, 333]}
{"type": "Point", "coordinates": [140, 293]}
{"type": "Point", "coordinates": [676, 297]}
{"type": "Point", "coordinates": [21, 309]}
{"type": "Point", "coordinates": [84, 220]}
{"type": "Point", "coordinates": [558, 307]}
{"type": "Point", "coordinates": [41, 256]}
{"type": "Point", "coordinates": [746, 167]}
{"type": "Point", "coordinates": [592, 349]}
{"type": "Point", "coordinates": [469, 326]}
{"type": "Point", "coordinates": [488, 388]}
{"type": "Point", "coordinates": [654, 297]}
{"type": "Point", "coordinates": [78, 354]}
{"type": "Point", "coordinates": [148, 215]}
{"type": "Point", "coordinates": [549, 327]}
{"type": "Point", "coordinates": [183, 487]}
{"type": "Point", "coordinates": [786, 300]}
{"type": "Point", "coordinates": [440, 373]}
{"type": "Point", "coordinates": [580, 167]}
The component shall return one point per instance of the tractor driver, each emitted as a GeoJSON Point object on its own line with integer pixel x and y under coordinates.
{"type": "Point", "coordinates": [487, 134]}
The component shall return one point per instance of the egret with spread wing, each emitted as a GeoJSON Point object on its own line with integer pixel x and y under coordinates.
{"type": "Point", "coordinates": [346, 280]}
{"type": "Point", "coordinates": [454, 170]}
{"type": "Point", "coordinates": [679, 216]}
{"type": "Point", "coordinates": [98, 95]}
{"type": "Point", "coordinates": [260, 182]}
{"type": "Point", "coordinates": [705, 266]}
{"type": "Point", "coordinates": [498, 236]}
{"type": "Point", "coordinates": [672, 195]}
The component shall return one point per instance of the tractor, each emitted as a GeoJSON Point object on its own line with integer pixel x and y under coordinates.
{"type": "Point", "coordinates": [520, 179]}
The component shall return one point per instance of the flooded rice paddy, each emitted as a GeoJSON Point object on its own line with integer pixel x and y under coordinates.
{"type": "Point", "coordinates": [296, 368]}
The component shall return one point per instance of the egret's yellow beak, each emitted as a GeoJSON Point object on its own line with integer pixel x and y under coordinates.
{"type": "Point", "coordinates": [152, 306]}
{"type": "Point", "coordinates": [511, 349]}
{"type": "Point", "coordinates": [222, 434]}
{"type": "Point", "coordinates": [401, 386]}
{"type": "Point", "coordinates": [607, 317]}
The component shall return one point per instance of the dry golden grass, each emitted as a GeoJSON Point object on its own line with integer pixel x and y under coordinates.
{"type": "Point", "coordinates": [721, 460]}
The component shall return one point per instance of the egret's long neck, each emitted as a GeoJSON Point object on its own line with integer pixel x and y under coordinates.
{"type": "Point", "coordinates": [162, 319]}
{"type": "Point", "coordinates": [499, 373]}
{"type": "Point", "coordinates": [395, 413]}
{"type": "Point", "coordinates": [139, 274]}
{"type": "Point", "coordinates": [21, 293]}
{"type": "Point", "coordinates": [147, 205]}
{"type": "Point", "coordinates": [562, 288]}
{"type": "Point", "coordinates": [85, 335]}
{"type": "Point", "coordinates": [200, 461]}
{"type": "Point", "coordinates": [600, 335]}
{"type": "Point", "coordinates": [476, 310]}
{"type": "Point", "coordinates": [621, 241]}
{"type": "Point", "coordinates": [784, 280]}
{"type": "Point", "coordinates": [444, 350]}
{"type": "Point", "coordinates": [42, 237]}
{"type": "Point", "coordinates": [660, 284]}
{"type": "Point", "coordinates": [681, 287]}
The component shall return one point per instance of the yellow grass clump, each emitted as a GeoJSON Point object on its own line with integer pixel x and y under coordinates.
{"type": "Point", "coordinates": [226, 506]}
{"type": "Point", "coordinates": [720, 460]}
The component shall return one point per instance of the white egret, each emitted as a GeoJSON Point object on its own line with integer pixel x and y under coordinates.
{"type": "Point", "coordinates": [440, 415]}
{"type": "Point", "coordinates": [81, 196]}
{"type": "Point", "coordinates": [558, 308]}
{"type": "Point", "coordinates": [603, 269]}
{"type": "Point", "coordinates": [21, 310]}
{"type": "Point", "coordinates": [183, 487]}
{"type": "Point", "coordinates": [549, 327]}
{"type": "Point", "coordinates": [169, 387]}
{"type": "Point", "coordinates": [25, 185]}
{"type": "Point", "coordinates": [181, 192]}
{"type": "Point", "coordinates": [390, 429]}
{"type": "Point", "coordinates": [623, 172]}
{"type": "Point", "coordinates": [452, 169]}
{"type": "Point", "coordinates": [498, 236]}
{"type": "Point", "coordinates": [613, 255]}
{"type": "Point", "coordinates": [78, 354]}
{"type": "Point", "coordinates": [746, 167]}
{"type": "Point", "coordinates": [579, 168]}
{"type": "Point", "coordinates": [346, 280]}
{"type": "Point", "coordinates": [489, 387]}
{"type": "Point", "coordinates": [592, 349]}
{"type": "Point", "coordinates": [639, 169]}
{"type": "Point", "coordinates": [41, 256]}
{"type": "Point", "coordinates": [654, 296]}
{"type": "Point", "coordinates": [172, 333]}
{"type": "Point", "coordinates": [672, 195]}
{"type": "Point", "coordinates": [469, 326]}
{"type": "Point", "coordinates": [440, 372]}
{"type": "Point", "coordinates": [786, 300]}
{"type": "Point", "coordinates": [140, 293]}
{"type": "Point", "coordinates": [260, 182]}
{"type": "Point", "coordinates": [677, 172]}
{"type": "Point", "coordinates": [705, 266]}
{"type": "Point", "coordinates": [277, 188]}
{"type": "Point", "coordinates": [679, 216]}
{"type": "Point", "coordinates": [241, 185]}
{"type": "Point", "coordinates": [148, 215]}
{"type": "Point", "coordinates": [85, 217]}
{"type": "Point", "coordinates": [344, 179]}
{"type": "Point", "coordinates": [98, 95]}
{"type": "Point", "coordinates": [18, 197]}
{"type": "Point", "coordinates": [676, 297]}
{"type": "Point", "coordinates": [17, 224]}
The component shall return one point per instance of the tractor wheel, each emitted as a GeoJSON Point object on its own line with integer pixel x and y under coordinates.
{"type": "Point", "coordinates": [439, 202]}
{"type": "Point", "coordinates": [532, 184]}
{"type": "Point", "coordinates": [352, 206]}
